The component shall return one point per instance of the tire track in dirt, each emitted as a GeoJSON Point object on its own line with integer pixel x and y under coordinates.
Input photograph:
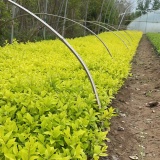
{"type": "Point", "coordinates": [135, 131]}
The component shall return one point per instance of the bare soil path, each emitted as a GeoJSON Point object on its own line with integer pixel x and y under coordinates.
{"type": "Point", "coordinates": [135, 133]}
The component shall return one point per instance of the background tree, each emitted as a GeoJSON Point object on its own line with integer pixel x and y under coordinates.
{"type": "Point", "coordinates": [143, 6]}
{"type": "Point", "coordinates": [27, 28]}
{"type": "Point", "coordinates": [4, 16]}
{"type": "Point", "coordinates": [156, 4]}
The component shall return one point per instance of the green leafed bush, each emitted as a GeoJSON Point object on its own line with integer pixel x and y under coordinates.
{"type": "Point", "coordinates": [47, 107]}
{"type": "Point", "coordinates": [155, 40]}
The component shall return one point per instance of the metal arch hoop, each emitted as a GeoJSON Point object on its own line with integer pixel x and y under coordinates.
{"type": "Point", "coordinates": [81, 26]}
{"type": "Point", "coordinates": [118, 30]}
{"type": "Point", "coordinates": [125, 14]}
{"type": "Point", "coordinates": [69, 47]}
{"type": "Point", "coordinates": [75, 23]}
{"type": "Point", "coordinates": [93, 22]}
{"type": "Point", "coordinates": [114, 29]}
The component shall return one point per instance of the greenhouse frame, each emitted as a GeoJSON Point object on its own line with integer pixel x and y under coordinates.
{"type": "Point", "coordinates": [149, 22]}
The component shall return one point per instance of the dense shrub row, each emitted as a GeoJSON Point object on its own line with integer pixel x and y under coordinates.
{"type": "Point", "coordinates": [48, 109]}
{"type": "Point", "coordinates": [155, 40]}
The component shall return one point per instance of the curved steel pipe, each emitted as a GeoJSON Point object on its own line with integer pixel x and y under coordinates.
{"type": "Point", "coordinates": [117, 30]}
{"type": "Point", "coordinates": [123, 15]}
{"type": "Point", "coordinates": [75, 23]}
{"type": "Point", "coordinates": [69, 47]}
{"type": "Point", "coordinates": [81, 26]}
{"type": "Point", "coordinates": [108, 30]}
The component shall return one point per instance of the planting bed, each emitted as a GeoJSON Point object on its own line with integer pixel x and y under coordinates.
{"type": "Point", "coordinates": [135, 132]}
{"type": "Point", "coordinates": [48, 109]}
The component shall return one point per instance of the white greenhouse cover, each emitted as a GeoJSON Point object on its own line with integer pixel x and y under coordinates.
{"type": "Point", "coordinates": [149, 22]}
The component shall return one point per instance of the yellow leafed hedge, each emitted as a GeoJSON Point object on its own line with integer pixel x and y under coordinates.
{"type": "Point", "coordinates": [48, 109]}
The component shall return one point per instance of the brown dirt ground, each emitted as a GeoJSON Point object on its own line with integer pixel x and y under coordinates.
{"type": "Point", "coordinates": [136, 130]}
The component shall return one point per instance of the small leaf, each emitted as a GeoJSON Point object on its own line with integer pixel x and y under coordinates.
{"type": "Point", "coordinates": [10, 156]}
{"type": "Point", "coordinates": [15, 149]}
{"type": "Point", "coordinates": [49, 151]}
{"type": "Point", "coordinates": [67, 132]}
{"type": "Point", "coordinates": [68, 141]}
{"type": "Point", "coordinates": [41, 148]}
{"type": "Point", "coordinates": [97, 149]}
{"type": "Point", "coordinates": [78, 151]}
{"type": "Point", "coordinates": [48, 133]}
{"type": "Point", "coordinates": [29, 118]}
{"type": "Point", "coordinates": [33, 157]}
{"type": "Point", "coordinates": [7, 136]}
{"type": "Point", "coordinates": [56, 131]}
{"type": "Point", "coordinates": [10, 142]}
{"type": "Point", "coordinates": [23, 154]}
{"type": "Point", "coordinates": [22, 137]}
{"type": "Point", "coordinates": [23, 110]}
{"type": "Point", "coordinates": [2, 141]}
{"type": "Point", "coordinates": [41, 138]}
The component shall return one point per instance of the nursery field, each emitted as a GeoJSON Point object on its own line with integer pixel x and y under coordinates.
{"type": "Point", "coordinates": [155, 40]}
{"type": "Point", "coordinates": [48, 109]}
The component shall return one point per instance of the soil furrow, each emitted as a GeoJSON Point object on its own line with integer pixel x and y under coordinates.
{"type": "Point", "coordinates": [135, 132]}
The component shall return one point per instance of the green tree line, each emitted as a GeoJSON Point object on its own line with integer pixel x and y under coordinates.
{"type": "Point", "coordinates": [145, 6]}
{"type": "Point", "coordinates": [15, 23]}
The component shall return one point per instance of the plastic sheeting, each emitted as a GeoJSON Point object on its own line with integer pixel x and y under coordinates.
{"type": "Point", "coordinates": [149, 22]}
